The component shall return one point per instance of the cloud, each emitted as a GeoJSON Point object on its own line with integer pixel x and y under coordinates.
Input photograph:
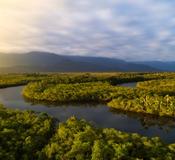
{"type": "Point", "coordinates": [131, 30]}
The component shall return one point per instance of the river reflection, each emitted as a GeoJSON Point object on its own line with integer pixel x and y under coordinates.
{"type": "Point", "coordinates": [148, 120]}
{"type": "Point", "coordinates": [100, 115]}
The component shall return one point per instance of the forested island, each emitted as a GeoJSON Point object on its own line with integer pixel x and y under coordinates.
{"type": "Point", "coordinates": [30, 135]}
{"type": "Point", "coordinates": [151, 96]}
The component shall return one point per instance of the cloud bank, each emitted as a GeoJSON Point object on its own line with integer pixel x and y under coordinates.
{"type": "Point", "coordinates": [126, 29]}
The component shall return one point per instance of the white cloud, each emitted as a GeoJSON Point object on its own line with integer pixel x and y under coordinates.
{"type": "Point", "coordinates": [123, 28]}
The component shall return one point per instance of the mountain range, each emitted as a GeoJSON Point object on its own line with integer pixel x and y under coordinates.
{"type": "Point", "coordinates": [161, 65]}
{"type": "Point", "coordinates": [50, 62]}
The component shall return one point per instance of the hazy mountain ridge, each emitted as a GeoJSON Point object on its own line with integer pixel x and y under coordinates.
{"type": "Point", "coordinates": [49, 62]}
{"type": "Point", "coordinates": [161, 65]}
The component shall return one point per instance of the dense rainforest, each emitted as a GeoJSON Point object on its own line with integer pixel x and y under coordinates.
{"type": "Point", "coordinates": [153, 96]}
{"type": "Point", "coordinates": [26, 135]}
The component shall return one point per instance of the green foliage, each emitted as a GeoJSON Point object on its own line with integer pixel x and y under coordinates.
{"type": "Point", "coordinates": [79, 92]}
{"type": "Point", "coordinates": [157, 105]}
{"type": "Point", "coordinates": [161, 87]}
{"type": "Point", "coordinates": [153, 97]}
{"type": "Point", "coordinates": [150, 97]}
{"type": "Point", "coordinates": [9, 80]}
{"type": "Point", "coordinates": [23, 134]}
{"type": "Point", "coordinates": [26, 136]}
{"type": "Point", "coordinates": [77, 139]}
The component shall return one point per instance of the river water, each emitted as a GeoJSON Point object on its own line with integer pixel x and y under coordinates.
{"type": "Point", "coordinates": [100, 115]}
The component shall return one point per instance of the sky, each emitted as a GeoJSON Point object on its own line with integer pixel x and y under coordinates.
{"type": "Point", "coordinates": [134, 30]}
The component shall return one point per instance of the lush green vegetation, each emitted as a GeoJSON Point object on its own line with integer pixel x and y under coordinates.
{"type": "Point", "coordinates": [26, 136]}
{"type": "Point", "coordinates": [157, 105]}
{"type": "Point", "coordinates": [78, 92]}
{"type": "Point", "coordinates": [152, 97]}
{"type": "Point", "coordinates": [77, 139]}
{"type": "Point", "coordinates": [9, 80]}
{"type": "Point", "coordinates": [23, 134]}
{"type": "Point", "coordinates": [161, 87]}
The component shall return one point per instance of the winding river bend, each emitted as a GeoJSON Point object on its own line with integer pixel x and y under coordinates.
{"type": "Point", "coordinates": [99, 115]}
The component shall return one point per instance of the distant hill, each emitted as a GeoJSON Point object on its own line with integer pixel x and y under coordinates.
{"type": "Point", "coordinates": [164, 66]}
{"type": "Point", "coordinates": [49, 62]}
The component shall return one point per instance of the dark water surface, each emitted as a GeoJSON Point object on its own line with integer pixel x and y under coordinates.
{"type": "Point", "coordinates": [100, 115]}
{"type": "Point", "coordinates": [132, 84]}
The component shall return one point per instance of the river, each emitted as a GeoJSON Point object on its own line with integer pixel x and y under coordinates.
{"type": "Point", "coordinates": [100, 115]}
